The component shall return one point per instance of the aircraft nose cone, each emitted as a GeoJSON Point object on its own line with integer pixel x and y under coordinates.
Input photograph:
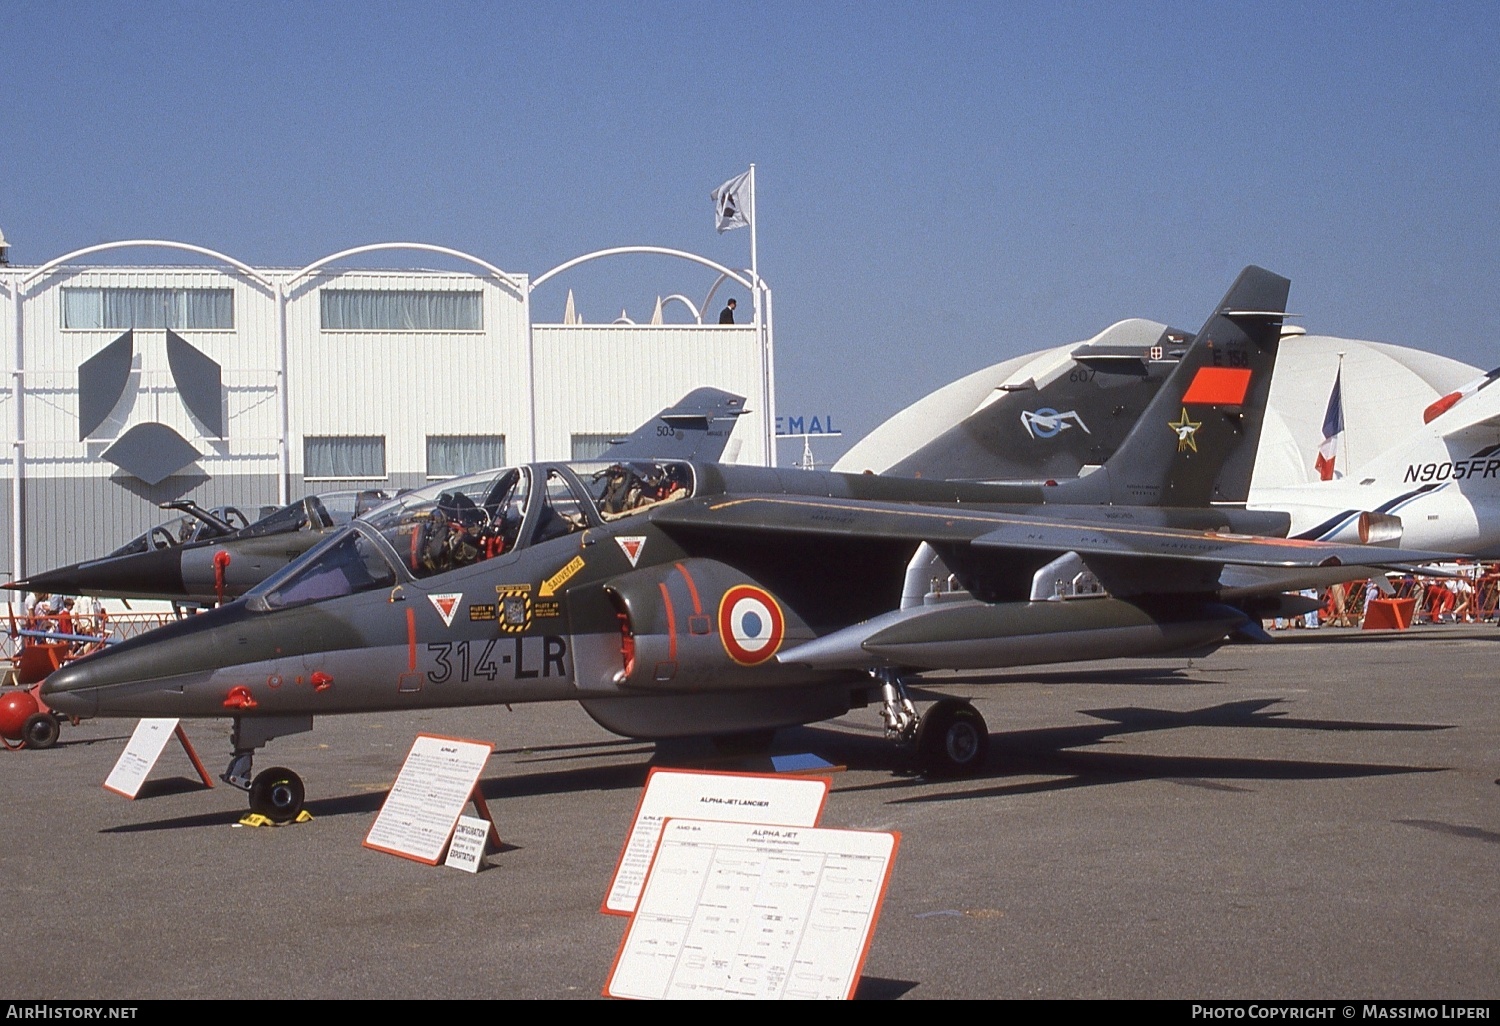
{"type": "Point", "coordinates": [156, 574]}
{"type": "Point", "coordinates": [73, 690]}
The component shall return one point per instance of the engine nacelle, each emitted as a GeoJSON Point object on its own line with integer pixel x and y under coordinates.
{"type": "Point", "coordinates": [701, 625]}
{"type": "Point", "coordinates": [1379, 529]}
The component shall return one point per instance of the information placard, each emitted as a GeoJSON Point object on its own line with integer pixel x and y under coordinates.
{"type": "Point", "coordinates": [693, 794]}
{"type": "Point", "coordinates": [436, 781]}
{"type": "Point", "coordinates": [140, 755]}
{"type": "Point", "coordinates": [740, 910]}
{"type": "Point", "coordinates": [466, 850]}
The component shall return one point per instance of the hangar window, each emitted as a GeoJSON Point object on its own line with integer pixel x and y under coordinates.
{"type": "Point", "coordinates": [121, 309]}
{"type": "Point", "coordinates": [592, 447]}
{"type": "Point", "coordinates": [392, 310]}
{"type": "Point", "coordinates": [452, 455]}
{"type": "Point", "coordinates": [343, 457]}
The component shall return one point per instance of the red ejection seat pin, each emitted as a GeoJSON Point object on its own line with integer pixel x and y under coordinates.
{"type": "Point", "coordinates": [221, 563]}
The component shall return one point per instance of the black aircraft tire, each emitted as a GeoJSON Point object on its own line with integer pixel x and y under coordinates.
{"type": "Point", "coordinates": [277, 794]}
{"type": "Point", "coordinates": [40, 730]}
{"type": "Point", "coordinates": [952, 740]}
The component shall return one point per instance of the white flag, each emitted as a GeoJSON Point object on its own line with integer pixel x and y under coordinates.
{"type": "Point", "coordinates": [732, 203]}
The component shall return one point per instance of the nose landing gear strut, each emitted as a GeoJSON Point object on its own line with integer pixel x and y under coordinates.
{"type": "Point", "coordinates": [276, 793]}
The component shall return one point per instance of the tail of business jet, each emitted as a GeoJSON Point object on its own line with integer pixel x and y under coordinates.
{"type": "Point", "coordinates": [1438, 486]}
{"type": "Point", "coordinates": [1195, 444]}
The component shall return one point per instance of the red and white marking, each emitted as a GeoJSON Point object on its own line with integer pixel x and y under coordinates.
{"type": "Point", "coordinates": [446, 605]}
{"type": "Point", "coordinates": [632, 546]}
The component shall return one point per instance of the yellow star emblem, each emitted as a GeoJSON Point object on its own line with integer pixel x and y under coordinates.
{"type": "Point", "coordinates": [1187, 431]}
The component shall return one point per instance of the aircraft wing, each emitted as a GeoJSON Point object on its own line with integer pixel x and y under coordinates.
{"type": "Point", "coordinates": [1175, 544]}
{"type": "Point", "coordinates": [1128, 558]}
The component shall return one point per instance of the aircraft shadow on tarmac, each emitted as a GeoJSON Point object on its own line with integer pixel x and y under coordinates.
{"type": "Point", "coordinates": [1453, 829]}
{"type": "Point", "coordinates": [1140, 677]}
{"type": "Point", "coordinates": [1465, 632]}
{"type": "Point", "coordinates": [1051, 752]}
{"type": "Point", "coordinates": [629, 775]}
{"type": "Point", "coordinates": [1046, 752]}
{"type": "Point", "coordinates": [164, 786]}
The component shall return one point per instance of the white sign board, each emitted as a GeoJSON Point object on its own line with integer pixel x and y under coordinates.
{"type": "Point", "coordinates": [429, 795]}
{"type": "Point", "coordinates": [140, 755]}
{"type": "Point", "coordinates": [466, 851]}
{"type": "Point", "coordinates": [739, 910]}
{"type": "Point", "coordinates": [686, 794]}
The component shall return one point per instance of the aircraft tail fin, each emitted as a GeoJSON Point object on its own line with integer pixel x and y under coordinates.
{"type": "Point", "coordinates": [1447, 402]}
{"type": "Point", "coordinates": [1060, 412]}
{"type": "Point", "coordinates": [696, 427]}
{"type": "Point", "coordinates": [1196, 442]}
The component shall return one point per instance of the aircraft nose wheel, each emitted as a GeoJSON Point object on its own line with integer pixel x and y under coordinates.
{"type": "Point", "coordinates": [277, 794]}
{"type": "Point", "coordinates": [952, 740]}
{"type": "Point", "coordinates": [40, 731]}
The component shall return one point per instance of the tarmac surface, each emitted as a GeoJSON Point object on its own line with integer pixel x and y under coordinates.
{"type": "Point", "coordinates": [1314, 818]}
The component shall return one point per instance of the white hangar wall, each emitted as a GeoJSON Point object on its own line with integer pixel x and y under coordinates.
{"type": "Point", "coordinates": [71, 496]}
{"type": "Point", "coordinates": [600, 379]}
{"type": "Point", "coordinates": [403, 385]}
{"type": "Point", "coordinates": [384, 371]}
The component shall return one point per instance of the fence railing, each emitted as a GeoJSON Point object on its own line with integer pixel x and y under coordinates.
{"type": "Point", "coordinates": [106, 628]}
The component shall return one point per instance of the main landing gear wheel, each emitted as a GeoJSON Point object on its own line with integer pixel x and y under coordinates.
{"type": "Point", "coordinates": [952, 740]}
{"type": "Point", "coordinates": [40, 731]}
{"type": "Point", "coordinates": [277, 794]}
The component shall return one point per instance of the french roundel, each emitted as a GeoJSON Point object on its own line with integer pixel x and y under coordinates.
{"type": "Point", "coordinates": [750, 624]}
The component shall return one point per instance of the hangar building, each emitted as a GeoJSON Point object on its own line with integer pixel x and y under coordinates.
{"type": "Point", "coordinates": [134, 385]}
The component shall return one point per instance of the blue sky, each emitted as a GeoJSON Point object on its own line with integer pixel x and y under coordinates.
{"type": "Point", "coordinates": [941, 185]}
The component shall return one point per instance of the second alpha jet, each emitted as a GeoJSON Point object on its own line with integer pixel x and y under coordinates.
{"type": "Point", "coordinates": [673, 598]}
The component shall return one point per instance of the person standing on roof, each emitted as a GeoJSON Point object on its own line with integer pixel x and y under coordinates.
{"type": "Point", "coordinates": [726, 315]}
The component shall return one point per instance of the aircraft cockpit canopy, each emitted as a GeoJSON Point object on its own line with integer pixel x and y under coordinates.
{"type": "Point", "coordinates": [181, 530]}
{"type": "Point", "coordinates": [627, 488]}
{"type": "Point", "coordinates": [318, 512]}
{"type": "Point", "coordinates": [431, 530]}
{"type": "Point", "coordinates": [454, 523]}
{"type": "Point", "coordinates": [466, 520]}
{"type": "Point", "coordinates": [344, 564]}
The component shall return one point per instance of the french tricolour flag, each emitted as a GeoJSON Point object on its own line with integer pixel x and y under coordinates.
{"type": "Point", "coordinates": [1333, 429]}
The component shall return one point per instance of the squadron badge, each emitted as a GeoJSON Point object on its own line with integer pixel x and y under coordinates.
{"type": "Point", "coordinates": [514, 601]}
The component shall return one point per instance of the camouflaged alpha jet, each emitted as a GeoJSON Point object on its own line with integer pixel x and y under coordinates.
{"type": "Point", "coordinates": [1063, 420]}
{"type": "Point", "coordinates": [676, 598]}
{"type": "Point", "coordinates": [206, 556]}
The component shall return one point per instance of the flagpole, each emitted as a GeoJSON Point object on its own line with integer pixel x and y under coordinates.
{"type": "Point", "coordinates": [762, 333]}
{"type": "Point", "coordinates": [754, 266]}
{"type": "Point", "coordinates": [1348, 461]}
